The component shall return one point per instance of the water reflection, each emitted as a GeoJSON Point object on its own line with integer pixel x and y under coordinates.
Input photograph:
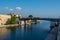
{"type": "Point", "coordinates": [28, 27]}
{"type": "Point", "coordinates": [4, 33]}
{"type": "Point", "coordinates": [13, 29]}
{"type": "Point", "coordinates": [23, 32]}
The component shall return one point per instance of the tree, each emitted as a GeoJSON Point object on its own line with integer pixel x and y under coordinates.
{"type": "Point", "coordinates": [30, 16]}
{"type": "Point", "coordinates": [13, 20]}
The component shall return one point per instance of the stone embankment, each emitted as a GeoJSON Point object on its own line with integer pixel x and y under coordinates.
{"type": "Point", "coordinates": [10, 25]}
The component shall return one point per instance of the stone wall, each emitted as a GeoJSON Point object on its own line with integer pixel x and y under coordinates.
{"type": "Point", "coordinates": [4, 18]}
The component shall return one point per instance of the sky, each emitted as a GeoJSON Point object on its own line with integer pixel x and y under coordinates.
{"type": "Point", "coordinates": [37, 8]}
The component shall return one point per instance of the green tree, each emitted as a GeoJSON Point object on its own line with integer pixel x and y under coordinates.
{"type": "Point", "coordinates": [30, 16]}
{"type": "Point", "coordinates": [13, 20]}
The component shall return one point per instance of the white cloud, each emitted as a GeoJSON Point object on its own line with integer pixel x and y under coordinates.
{"type": "Point", "coordinates": [18, 8]}
{"type": "Point", "coordinates": [11, 9]}
{"type": "Point", "coordinates": [6, 8]}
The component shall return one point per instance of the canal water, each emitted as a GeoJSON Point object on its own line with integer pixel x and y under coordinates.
{"type": "Point", "coordinates": [28, 32]}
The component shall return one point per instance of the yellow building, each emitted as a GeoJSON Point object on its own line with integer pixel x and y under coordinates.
{"type": "Point", "coordinates": [4, 18]}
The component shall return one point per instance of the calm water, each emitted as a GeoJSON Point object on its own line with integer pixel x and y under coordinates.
{"type": "Point", "coordinates": [32, 32]}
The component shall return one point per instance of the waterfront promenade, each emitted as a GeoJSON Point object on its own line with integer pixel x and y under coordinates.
{"type": "Point", "coordinates": [54, 34]}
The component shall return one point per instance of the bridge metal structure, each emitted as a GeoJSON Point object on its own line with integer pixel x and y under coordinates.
{"type": "Point", "coordinates": [47, 19]}
{"type": "Point", "coordinates": [57, 20]}
{"type": "Point", "coordinates": [54, 34]}
{"type": "Point", "coordinates": [34, 18]}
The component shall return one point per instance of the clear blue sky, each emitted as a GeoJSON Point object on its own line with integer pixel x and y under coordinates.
{"type": "Point", "coordinates": [40, 8]}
